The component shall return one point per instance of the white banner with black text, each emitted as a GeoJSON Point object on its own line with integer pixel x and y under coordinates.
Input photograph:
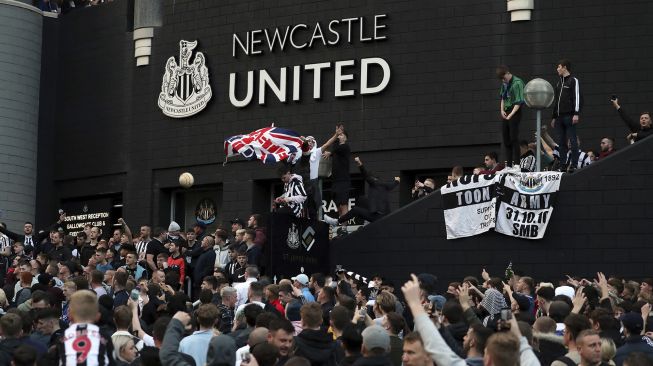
{"type": "Point", "coordinates": [526, 203]}
{"type": "Point", "coordinates": [469, 205]}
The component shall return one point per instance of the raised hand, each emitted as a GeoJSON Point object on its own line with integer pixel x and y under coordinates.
{"type": "Point", "coordinates": [485, 275]}
{"type": "Point", "coordinates": [579, 300]}
{"type": "Point", "coordinates": [603, 285]}
{"type": "Point", "coordinates": [572, 281]}
{"type": "Point", "coordinates": [463, 296]}
{"type": "Point", "coordinates": [411, 292]}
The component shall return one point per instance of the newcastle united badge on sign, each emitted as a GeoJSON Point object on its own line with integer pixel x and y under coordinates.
{"type": "Point", "coordinates": [205, 212]}
{"type": "Point", "coordinates": [293, 237]}
{"type": "Point", "coordinates": [185, 89]}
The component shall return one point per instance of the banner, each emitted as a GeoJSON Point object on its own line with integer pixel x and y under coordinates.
{"type": "Point", "coordinates": [297, 246]}
{"type": "Point", "coordinates": [526, 203]}
{"type": "Point", "coordinates": [96, 212]}
{"type": "Point", "coordinates": [270, 145]}
{"type": "Point", "coordinates": [469, 205]}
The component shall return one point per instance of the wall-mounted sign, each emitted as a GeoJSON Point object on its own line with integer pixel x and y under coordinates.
{"type": "Point", "coordinates": [305, 37]}
{"type": "Point", "coordinates": [185, 89]}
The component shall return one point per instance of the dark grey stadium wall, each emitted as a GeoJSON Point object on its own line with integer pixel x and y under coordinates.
{"type": "Point", "coordinates": [438, 111]}
{"type": "Point", "coordinates": [601, 222]}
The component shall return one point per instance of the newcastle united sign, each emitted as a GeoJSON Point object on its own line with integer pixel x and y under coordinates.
{"type": "Point", "coordinates": [185, 89]}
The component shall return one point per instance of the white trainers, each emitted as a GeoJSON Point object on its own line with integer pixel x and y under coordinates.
{"type": "Point", "coordinates": [330, 220]}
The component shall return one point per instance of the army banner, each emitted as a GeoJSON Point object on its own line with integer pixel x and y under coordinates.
{"type": "Point", "coordinates": [526, 203]}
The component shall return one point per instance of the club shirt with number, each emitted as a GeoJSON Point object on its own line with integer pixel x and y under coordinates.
{"type": "Point", "coordinates": [84, 345]}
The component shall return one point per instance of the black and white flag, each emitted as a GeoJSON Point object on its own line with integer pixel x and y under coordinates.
{"type": "Point", "coordinates": [526, 203]}
{"type": "Point", "coordinates": [469, 205]}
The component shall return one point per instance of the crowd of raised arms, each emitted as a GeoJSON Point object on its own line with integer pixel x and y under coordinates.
{"type": "Point", "coordinates": [191, 297]}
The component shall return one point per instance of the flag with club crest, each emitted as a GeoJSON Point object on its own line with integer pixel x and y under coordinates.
{"type": "Point", "coordinates": [270, 145]}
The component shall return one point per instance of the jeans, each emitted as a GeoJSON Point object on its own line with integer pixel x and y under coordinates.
{"type": "Point", "coordinates": [566, 131]}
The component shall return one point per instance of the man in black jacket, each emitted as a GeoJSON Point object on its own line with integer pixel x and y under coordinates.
{"type": "Point", "coordinates": [638, 130]}
{"type": "Point", "coordinates": [31, 240]}
{"type": "Point", "coordinates": [375, 205]}
{"type": "Point", "coordinates": [205, 263]}
{"type": "Point", "coordinates": [313, 342]}
{"type": "Point", "coordinates": [566, 111]}
{"type": "Point", "coordinates": [633, 323]}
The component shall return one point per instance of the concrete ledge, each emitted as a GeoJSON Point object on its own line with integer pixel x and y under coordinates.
{"type": "Point", "coordinates": [521, 5]}
{"type": "Point", "coordinates": [145, 42]}
{"type": "Point", "coordinates": [143, 61]}
{"type": "Point", "coordinates": [141, 33]}
{"type": "Point", "coordinates": [142, 51]}
{"type": "Point", "coordinates": [520, 15]}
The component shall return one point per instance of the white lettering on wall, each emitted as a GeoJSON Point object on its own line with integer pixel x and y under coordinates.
{"type": "Point", "coordinates": [232, 90]}
{"type": "Point", "coordinates": [306, 36]}
{"type": "Point", "coordinates": [341, 75]}
{"type": "Point", "coordinates": [278, 90]}
{"type": "Point", "coordinates": [365, 88]}
{"type": "Point", "coordinates": [339, 78]}
{"type": "Point", "coordinates": [303, 36]}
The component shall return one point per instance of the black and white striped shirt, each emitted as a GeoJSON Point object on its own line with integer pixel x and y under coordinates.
{"type": "Point", "coordinates": [294, 191]}
{"type": "Point", "coordinates": [141, 249]}
{"type": "Point", "coordinates": [527, 162]}
{"type": "Point", "coordinates": [84, 345]}
{"type": "Point", "coordinates": [5, 242]}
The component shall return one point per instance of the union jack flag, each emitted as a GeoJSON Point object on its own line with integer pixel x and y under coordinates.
{"type": "Point", "coordinates": [270, 145]}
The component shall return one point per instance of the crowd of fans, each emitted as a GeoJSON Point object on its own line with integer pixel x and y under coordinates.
{"type": "Point", "coordinates": [120, 301]}
{"type": "Point", "coordinates": [564, 153]}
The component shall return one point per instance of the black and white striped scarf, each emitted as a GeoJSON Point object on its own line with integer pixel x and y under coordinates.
{"type": "Point", "coordinates": [583, 159]}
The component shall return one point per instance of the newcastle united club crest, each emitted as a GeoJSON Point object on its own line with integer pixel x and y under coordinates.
{"type": "Point", "coordinates": [185, 89]}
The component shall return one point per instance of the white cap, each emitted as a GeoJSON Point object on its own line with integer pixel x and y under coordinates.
{"type": "Point", "coordinates": [565, 290]}
{"type": "Point", "coordinates": [301, 278]}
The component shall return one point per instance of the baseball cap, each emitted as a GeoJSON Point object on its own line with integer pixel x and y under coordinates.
{"type": "Point", "coordinates": [237, 221]}
{"type": "Point", "coordinates": [565, 290]}
{"type": "Point", "coordinates": [438, 301]}
{"type": "Point", "coordinates": [376, 337]}
{"type": "Point", "coordinates": [633, 322]}
{"type": "Point", "coordinates": [301, 278]}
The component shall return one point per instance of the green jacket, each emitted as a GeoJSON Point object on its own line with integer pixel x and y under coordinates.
{"type": "Point", "coordinates": [512, 93]}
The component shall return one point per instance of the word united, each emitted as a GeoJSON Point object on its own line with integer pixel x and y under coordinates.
{"type": "Point", "coordinates": [270, 145]}
{"type": "Point", "coordinates": [512, 203]}
{"type": "Point", "coordinates": [302, 36]}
